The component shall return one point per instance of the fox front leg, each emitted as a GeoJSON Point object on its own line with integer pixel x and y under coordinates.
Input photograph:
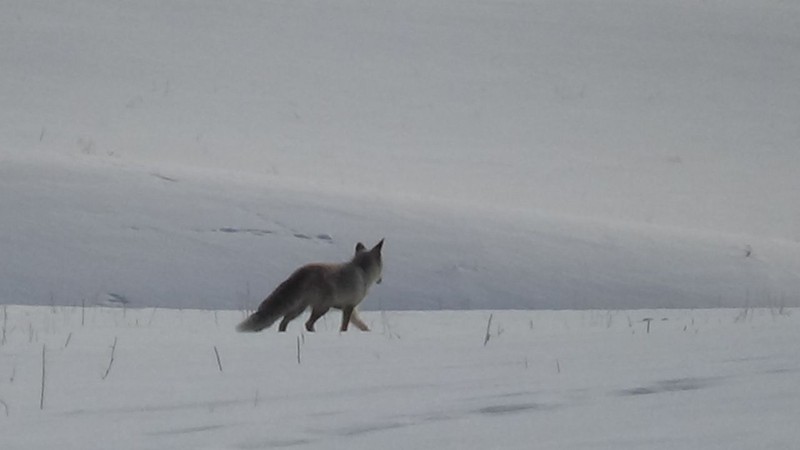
{"type": "Point", "coordinates": [347, 313]}
{"type": "Point", "coordinates": [355, 319]}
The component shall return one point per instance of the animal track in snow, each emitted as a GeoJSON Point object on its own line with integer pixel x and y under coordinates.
{"type": "Point", "coordinates": [324, 237]}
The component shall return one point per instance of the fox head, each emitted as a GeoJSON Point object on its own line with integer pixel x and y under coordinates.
{"type": "Point", "coordinates": [370, 260]}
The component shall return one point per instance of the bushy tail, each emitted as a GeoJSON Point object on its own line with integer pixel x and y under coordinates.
{"type": "Point", "coordinates": [256, 322]}
{"type": "Point", "coordinates": [285, 298]}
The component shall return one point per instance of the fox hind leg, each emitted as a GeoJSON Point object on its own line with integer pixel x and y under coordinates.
{"type": "Point", "coordinates": [316, 313]}
{"type": "Point", "coordinates": [290, 316]}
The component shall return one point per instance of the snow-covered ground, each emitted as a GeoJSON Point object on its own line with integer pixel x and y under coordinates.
{"type": "Point", "coordinates": [160, 160]}
{"type": "Point", "coordinates": [534, 154]}
{"type": "Point", "coordinates": [701, 379]}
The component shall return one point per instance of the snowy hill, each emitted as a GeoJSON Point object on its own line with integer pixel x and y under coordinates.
{"type": "Point", "coordinates": [534, 154]}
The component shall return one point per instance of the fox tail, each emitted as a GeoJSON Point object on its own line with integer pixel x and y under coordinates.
{"type": "Point", "coordinates": [285, 298]}
{"type": "Point", "coordinates": [256, 322]}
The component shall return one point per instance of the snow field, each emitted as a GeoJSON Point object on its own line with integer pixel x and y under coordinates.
{"type": "Point", "coordinates": [516, 155]}
{"type": "Point", "coordinates": [545, 379]}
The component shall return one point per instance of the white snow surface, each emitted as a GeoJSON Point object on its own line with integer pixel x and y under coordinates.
{"type": "Point", "coordinates": [514, 154]}
{"type": "Point", "coordinates": [577, 170]}
{"type": "Point", "coordinates": [700, 379]}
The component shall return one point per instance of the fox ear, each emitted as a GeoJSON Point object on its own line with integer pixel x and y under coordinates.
{"type": "Point", "coordinates": [360, 248]}
{"type": "Point", "coordinates": [379, 246]}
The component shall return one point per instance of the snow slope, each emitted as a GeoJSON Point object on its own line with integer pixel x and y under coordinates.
{"type": "Point", "coordinates": [532, 154]}
{"type": "Point", "coordinates": [701, 379]}
{"type": "Point", "coordinates": [173, 238]}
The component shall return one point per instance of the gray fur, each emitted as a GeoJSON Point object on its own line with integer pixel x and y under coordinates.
{"type": "Point", "coordinates": [321, 287]}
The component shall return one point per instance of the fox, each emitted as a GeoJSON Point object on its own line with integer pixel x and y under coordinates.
{"type": "Point", "coordinates": [321, 286]}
